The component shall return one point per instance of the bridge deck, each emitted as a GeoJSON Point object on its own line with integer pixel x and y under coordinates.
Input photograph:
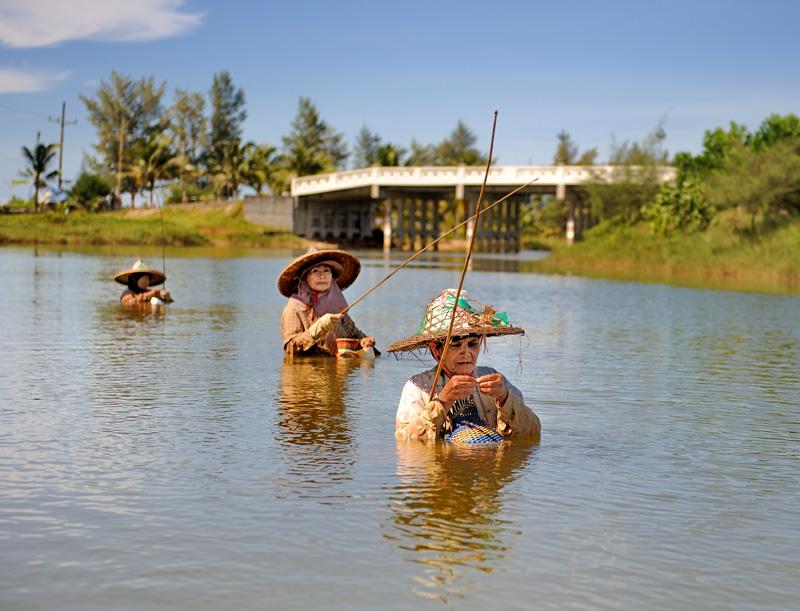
{"type": "Point", "coordinates": [457, 177]}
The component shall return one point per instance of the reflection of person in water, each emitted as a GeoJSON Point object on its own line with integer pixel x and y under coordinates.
{"type": "Point", "coordinates": [313, 415]}
{"type": "Point", "coordinates": [448, 506]}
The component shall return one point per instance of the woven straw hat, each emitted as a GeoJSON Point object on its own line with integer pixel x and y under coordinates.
{"type": "Point", "coordinates": [345, 268]}
{"type": "Point", "coordinates": [140, 269]}
{"type": "Point", "coordinates": [469, 321]}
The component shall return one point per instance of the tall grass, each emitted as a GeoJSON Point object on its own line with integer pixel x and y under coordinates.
{"type": "Point", "coordinates": [727, 249]}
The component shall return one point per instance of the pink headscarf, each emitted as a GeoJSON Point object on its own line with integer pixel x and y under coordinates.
{"type": "Point", "coordinates": [331, 301]}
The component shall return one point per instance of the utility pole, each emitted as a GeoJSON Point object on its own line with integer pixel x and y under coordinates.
{"type": "Point", "coordinates": [61, 146]}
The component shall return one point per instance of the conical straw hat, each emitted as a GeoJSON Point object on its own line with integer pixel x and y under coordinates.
{"type": "Point", "coordinates": [140, 269]}
{"type": "Point", "coordinates": [345, 268]}
{"type": "Point", "coordinates": [469, 320]}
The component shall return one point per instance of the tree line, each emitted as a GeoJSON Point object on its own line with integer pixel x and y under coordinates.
{"type": "Point", "coordinates": [143, 144]}
{"type": "Point", "coordinates": [194, 147]}
{"type": "Point", "coordinates": [755, 172]}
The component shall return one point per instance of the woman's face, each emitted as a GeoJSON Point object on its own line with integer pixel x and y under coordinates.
{"type": "Point", "coordinates": [143, 281]}
{"type": "Point", "coordinates": [462, 355]}
{"type": "Point", "coordinates": [319, 278]}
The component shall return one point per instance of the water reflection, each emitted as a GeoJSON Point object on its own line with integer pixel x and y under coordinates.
{"type": "Point", "coordinates": [448, 510]}
{"type": "Point", "coordinates": [313, 422]}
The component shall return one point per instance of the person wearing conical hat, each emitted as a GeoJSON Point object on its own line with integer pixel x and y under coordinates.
{"type": "Point", "coordinates": [312, 321]}
{"type": "Point", "coordinates": [138, 280]}
{"type": "Point", "coordinates": [466, 394]}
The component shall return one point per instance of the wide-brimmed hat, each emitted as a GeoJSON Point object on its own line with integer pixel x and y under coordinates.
{"type": "Point", "coordinates": [344, 266]}
{"type": "Point", "coordinates": [140, 269]}
{"type": "Point", "coordinates": [472, 318]}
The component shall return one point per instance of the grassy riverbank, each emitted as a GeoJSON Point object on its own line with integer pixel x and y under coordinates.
{"type": "Point", "coordinates": [726, 250]}
{"type": "Point", "coordinates": [184, 225]}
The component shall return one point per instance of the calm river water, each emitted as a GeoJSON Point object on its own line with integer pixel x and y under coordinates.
{"type": "Point", "coordinates": [174, 460]}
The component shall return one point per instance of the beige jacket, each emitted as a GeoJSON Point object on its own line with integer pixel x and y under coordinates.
{"type": "Point", "coordinates": [413, 420]}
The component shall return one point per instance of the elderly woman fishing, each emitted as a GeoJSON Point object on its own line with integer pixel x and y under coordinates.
{"type": "Point", "coordinates": [312, 320]}
{"type": "Point", "coordinates": [467, 396]}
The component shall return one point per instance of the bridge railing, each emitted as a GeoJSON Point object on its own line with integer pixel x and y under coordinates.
{"type": "Point", "coordinates": [441, 176]}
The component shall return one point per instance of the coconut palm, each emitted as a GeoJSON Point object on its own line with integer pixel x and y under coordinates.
{"type": "Point", "coordinates": [262, 165]}
{"type": "Point", "coordinates": [153, 160]}
{"type": "Point", "coordinates": [232, 171]}
{"type": "Point", "coordinates": [38, 159]}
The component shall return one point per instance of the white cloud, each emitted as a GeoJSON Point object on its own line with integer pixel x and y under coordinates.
{"type": "Point", "coordinates": [19, 81]}
{"type": "Point", "coordinates": [42, 23]}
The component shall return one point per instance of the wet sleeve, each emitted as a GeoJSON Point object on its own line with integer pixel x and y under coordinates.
{"type": "Point", "coordinates": [516, 418]}
{"type": "Point", "coordinates": [296, 338]}
{"type": "Point", "coordinates": [416, 417]}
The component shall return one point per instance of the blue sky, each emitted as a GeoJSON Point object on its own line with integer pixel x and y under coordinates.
{"type": "Point", "coordinates": [602, 71]}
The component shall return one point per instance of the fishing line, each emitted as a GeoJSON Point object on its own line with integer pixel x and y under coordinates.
{"type": "Point", "coordinates": [466, 264]}
{"type": "Point", "coordinates": [441, 237]}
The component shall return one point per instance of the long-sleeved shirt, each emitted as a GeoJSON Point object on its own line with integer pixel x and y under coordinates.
{"type": "Point", "coordinates": [410, 422]}
{"type": "Point", "coordinates": [295, 325]}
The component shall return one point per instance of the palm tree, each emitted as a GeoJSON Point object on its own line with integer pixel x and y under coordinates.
{"type": "Point", "coordinates": [233, 169]}
{"type": "Point", "coordinates": [262, 164]}
{"type": "Point", "coordinates": [38, 159]}
{"type": "Point", "coordinates": [390, 154]}
{"type": "Point", "coordinates": [154, 160]}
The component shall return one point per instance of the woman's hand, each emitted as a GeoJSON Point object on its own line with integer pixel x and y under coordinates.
{"type": "Point", "coordinates": [367, 342]}
{"type": "Point", "coordinates": [492, 386]}
{"type": "Point", "coordinates": [457, 387]}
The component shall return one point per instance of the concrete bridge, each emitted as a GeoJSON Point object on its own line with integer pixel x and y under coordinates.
{"type": "Point", "coordinates": [407, 207]}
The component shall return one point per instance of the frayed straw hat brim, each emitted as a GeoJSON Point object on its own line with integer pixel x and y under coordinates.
{"type": "Point", "coordinates": [289, 279]}
{"type": "Point", "coordinates": [469, 320]}
{"type": "Point", "coordinates": [417, 342]}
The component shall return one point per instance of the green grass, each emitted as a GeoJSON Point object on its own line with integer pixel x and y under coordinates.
{"type": "Point", "coordinates": [728, 249]}
{"type": "Point", "coordinates": [222, 225]}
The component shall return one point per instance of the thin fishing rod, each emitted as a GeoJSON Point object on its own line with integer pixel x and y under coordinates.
{"type": "Point", "coordinates": [441, 237]}
{"type": "Point", "coordinates": [466, 265]}
{"type": "Point", "coordinates": [163, 244]}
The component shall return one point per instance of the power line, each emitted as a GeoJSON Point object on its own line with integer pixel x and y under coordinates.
{"type": "Point", "coordinates": [61, 146]}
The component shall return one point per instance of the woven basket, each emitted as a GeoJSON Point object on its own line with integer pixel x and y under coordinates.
{"type": "Point", "coordinates": [474, 433]}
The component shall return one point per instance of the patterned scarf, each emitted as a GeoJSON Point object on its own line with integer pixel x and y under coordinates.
{"type": "Point", "coordinates": [331, 301]}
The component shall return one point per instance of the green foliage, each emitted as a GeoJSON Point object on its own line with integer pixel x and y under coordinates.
{"type": "Point", "coordinates": [459, 148]}
{"type": "Point", "coordinates": [38, 159]}
{"type": "Point", "coordinates": [122, 112]}
{"type": "Point", "coordinates": [189, 191]}
{"type": "Point", "coordinates": [567, 151]}
{"type": "Point", "coordinates": [759, 182]}
{"type": "Point", "coordinates": [775, 129]}
{"type": "Point", "coordinates": [89, 187]}
{"type": "Point", "coordinates": [421, 154]}
{"type": "Point", "coordinates": [313, 146]}
{"type": "Point", "coordinates": [681, 208]}
{"type": "Point", "coordinates": [227, 116]}
{"type": "Point", "coordinates": [390, 155]}
{"type": "Point", "coordinates": [188, 124]}
{"type": "Point", "coordinates": [152, 160]}
{"type": "Point", "coordinates": [262, 165]}
{"type": "Point", "coordinates": [365, 151]}
{"type": "Point", "coordinates": [633, 181]}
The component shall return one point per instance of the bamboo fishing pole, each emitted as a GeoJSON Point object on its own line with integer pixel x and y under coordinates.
{"type": "Point", "coordinates": [441, 237]}
{"type": "Point", "coordinates": [163, 243]}
{"type": "Point", "coordinates": [466, 265]}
